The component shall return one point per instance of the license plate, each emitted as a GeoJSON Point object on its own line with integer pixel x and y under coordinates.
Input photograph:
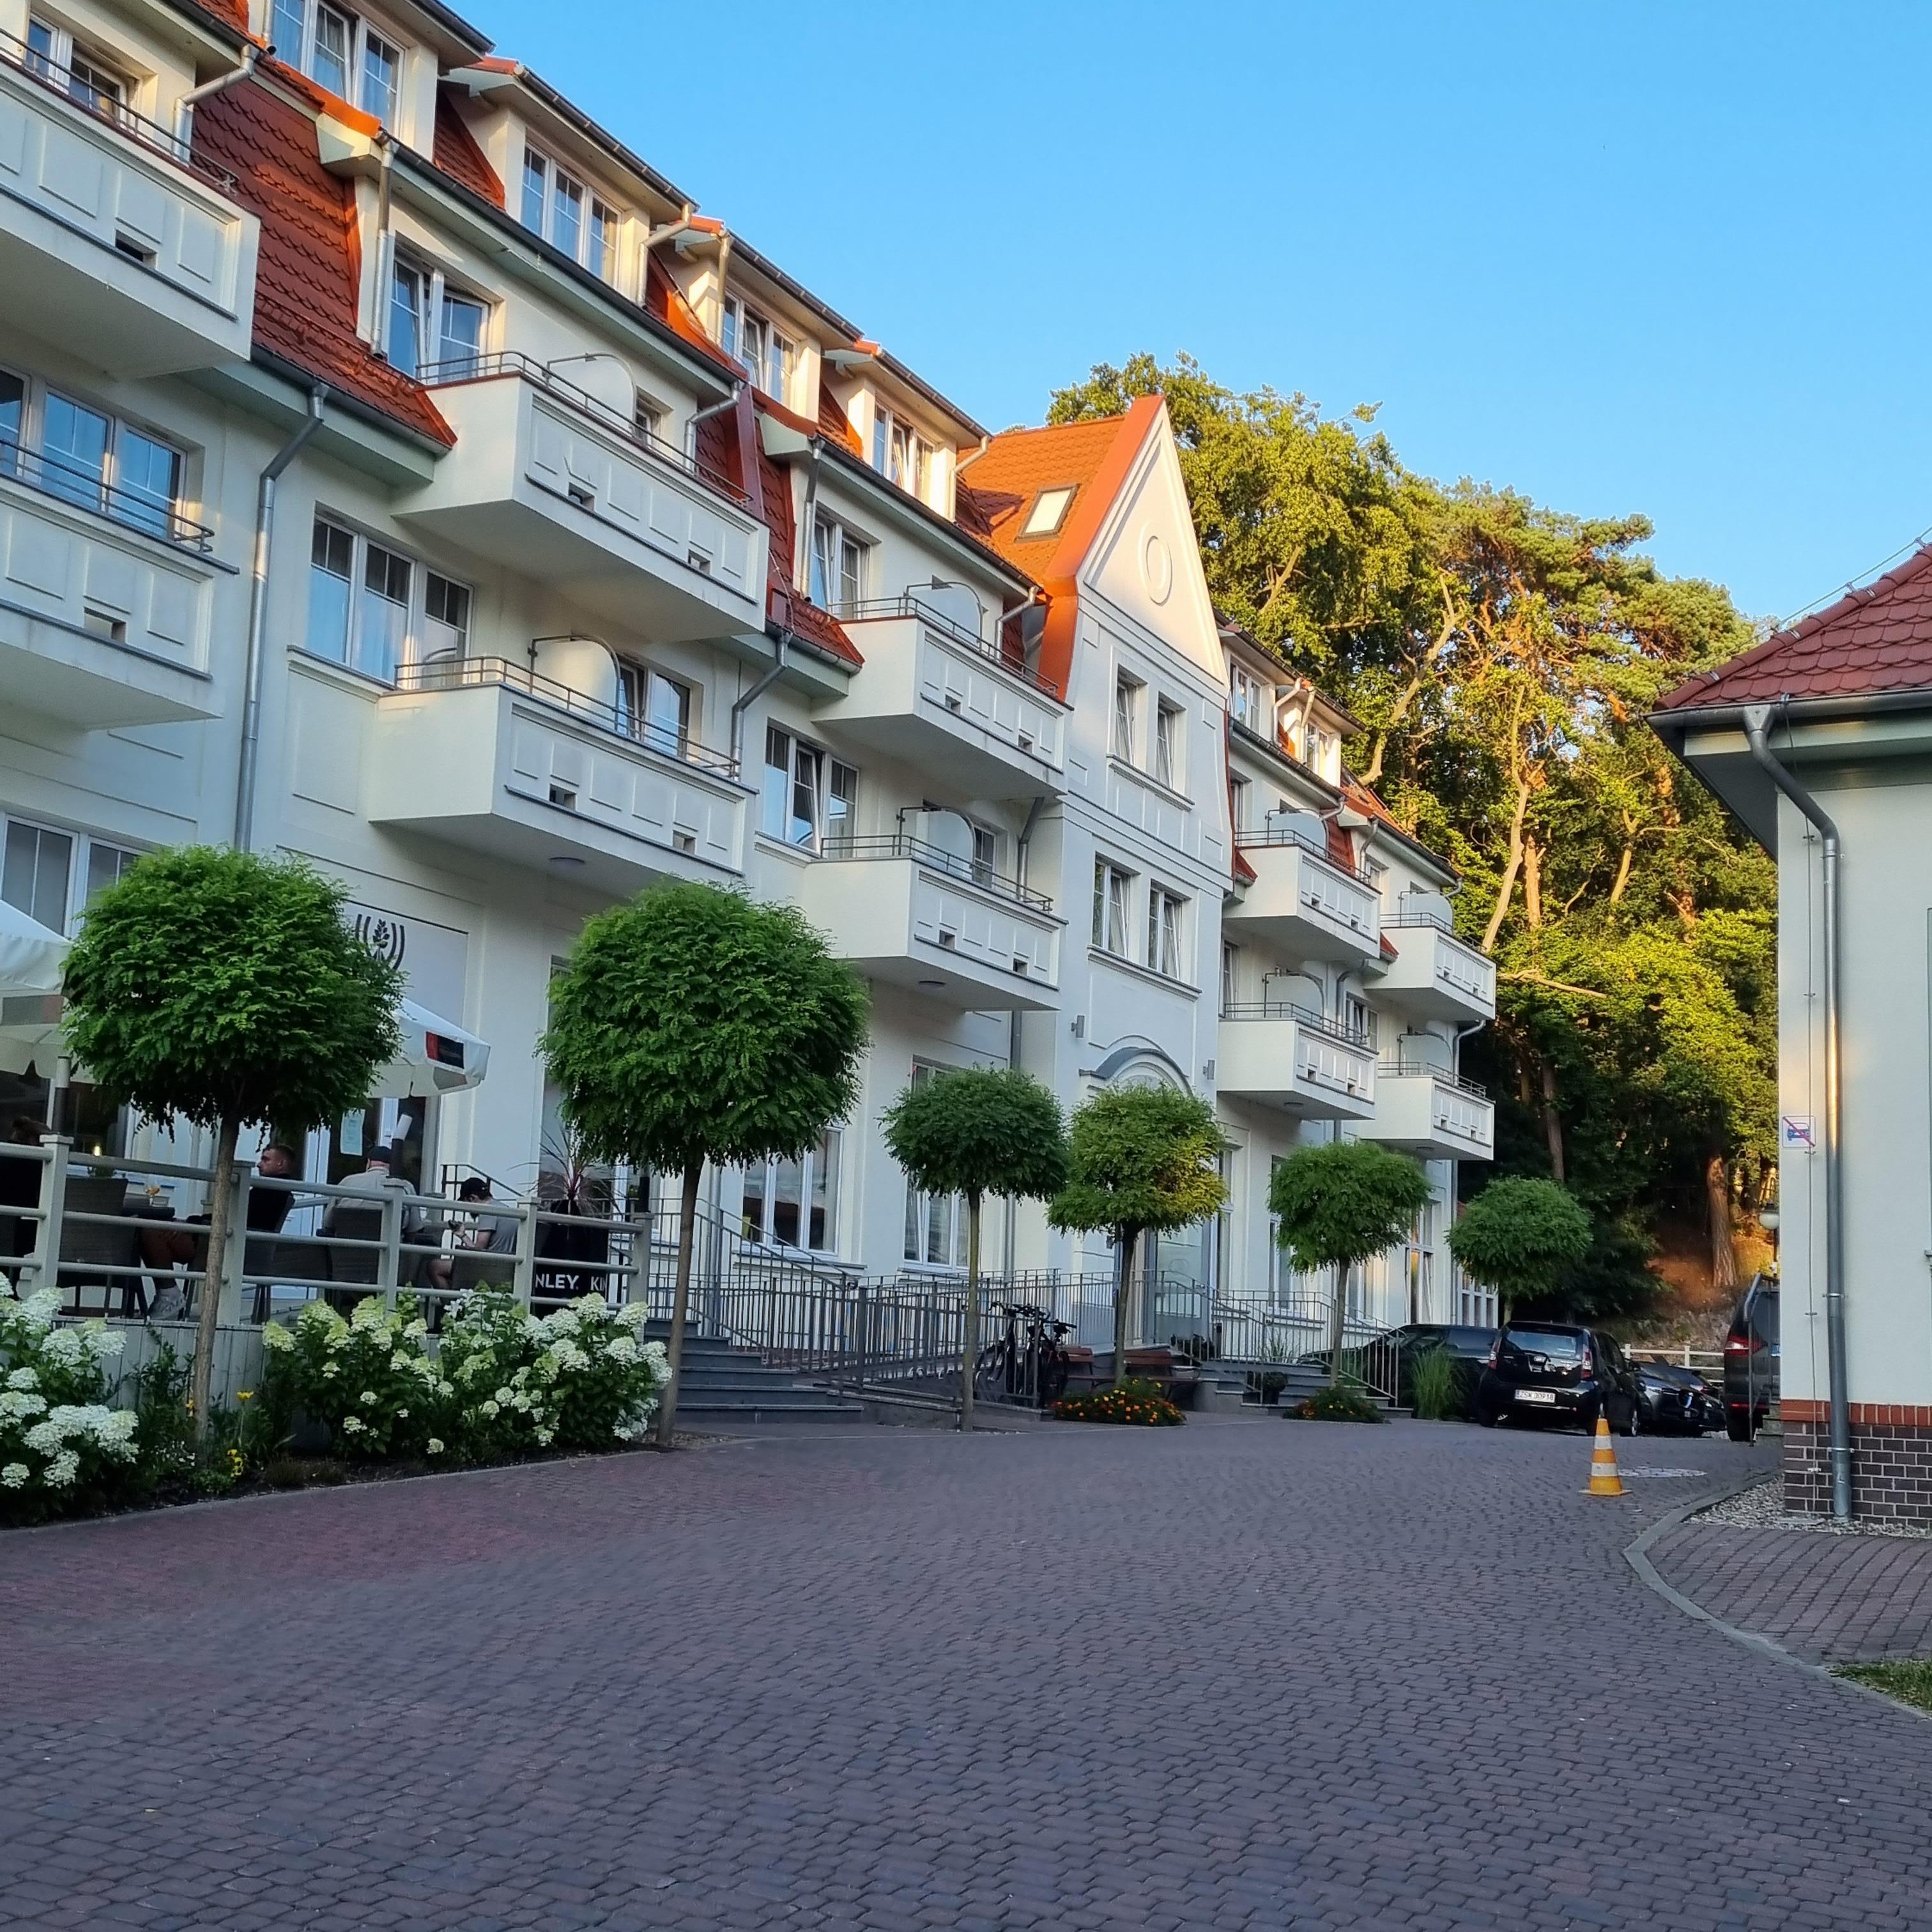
{"type": "Point", "coordinates": [1536, 1395]}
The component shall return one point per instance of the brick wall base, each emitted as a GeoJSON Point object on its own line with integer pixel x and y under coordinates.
{"type": "Point", "coordinates": [1891, 1462]}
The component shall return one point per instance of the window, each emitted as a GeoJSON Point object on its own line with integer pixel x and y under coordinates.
{"type": "Point", "coordinates": [986, 855]}
{"type": "Point", "coordinates": [1049, 512]}
{"type": "Point", "coordinates": [656, 708]}
{"type": "Point", "coordinates": [1240, 804]}
{"type": "Point", "coordinates": [105, 865]}
{"type": "Point", "coordinates": [842, 803]}
{"type": "Point", "coordinates": [838, 567]}
{"type": "Point", "coordinates": [361, 607]}
{"type": "Point", "coordinates": [794, 1204]}
{"type": "Point", "coordinates": [1248, 699]}
{"type": "Point", "coordinates": [1163, 946]}
{"type": "Point", "coordinates": [52, 54]}
{"type": "Point", "coordinates": [13, 420]}
{"type": "Point", "coordinates": [558, 207]}
{"type": "Point", "coordinates": [1167, 731]}
{"type": "Point", "coordinates": [649, 417]}
{"type": "Point", "coordinates": [342, 53]}
{"type": "Point", "coordinates": [771, 356]}
{"type": "Point", "coordinates": [935, 1224]}
{"type": "Point", "coordinates": [1112, 887]}
{"type": "Point", "coordinates": [34, 877]}
{"type": "Point", "coordinates": [1230, 977]}
{"type": "Point", "coordinates": [1357, 1018]}
{"type": "Point", "coordinates": [1318, 755]}
{"type": "Point", "coordinates": [1126, 718]}
{"type": "Point", "coordinates": [900, 453]}
{"type": "Point", "coordinates": [90, 458]}
{"type": "Point", "coordinates": [806, 796]}
{"type": "Point", "coordinates": [430, 323]}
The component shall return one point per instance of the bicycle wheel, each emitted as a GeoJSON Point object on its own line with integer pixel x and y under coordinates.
{"type": "Point", "coordinates": [989, 1373]}
{"type": "Point", "coordinates": [1052, 1378]}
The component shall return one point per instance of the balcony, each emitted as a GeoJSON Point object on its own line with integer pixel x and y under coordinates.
{"type": "Point", "coordinates": [1435, 975]}
{"type": "Point", "coordinates": [911, 914]}
{"type": "Point", "coordinates": [547, 481]}
{"type": "Point", "coordinates": [105, 599]}
{"type": "Point", "coordinates": [485, 754]}
{"type": "Point", "coordinates": [938, 696]}
{"type": "Point", "coordinates": [1303, 902]}
{"type": "Point", "coordinates": [1286, 1057]}
{"type": "Point", "coordinates": [1431, 1114]}
{"type": "Point", "coordinates": [114, 242]}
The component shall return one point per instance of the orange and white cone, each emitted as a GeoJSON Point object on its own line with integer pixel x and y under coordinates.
{"type": "Point", "coordinates": [1604, 1481]}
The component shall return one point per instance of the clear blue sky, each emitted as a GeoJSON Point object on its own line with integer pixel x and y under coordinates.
{"type": "Point", "coordinates": [1664, 257]}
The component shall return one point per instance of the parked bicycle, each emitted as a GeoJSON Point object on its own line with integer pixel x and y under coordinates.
{"type": "Point", "coordinates": [1028, 1361]}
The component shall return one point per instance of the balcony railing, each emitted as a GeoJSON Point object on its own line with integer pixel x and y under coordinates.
{"type": "Point", "coordinates": [1441, 1075]}
{"type": "Point", "coordinates": [1303, 1016]}
{"type": "Point", "coordinates": [907, 604]}
{"type": "Point", "coordinates": [70, 86]}
{"type": "Point", "coordinates": [60, 477]}
{"type": "Point", "coordinates": [1284, 834]}
{"type": "Point", "coordinates": [903, 845]}
{"type": "Point", "coordinates": [1411, 914]}
{"type": "Point", "coordinates": [480, 368]}
{"type": "Point", "coordinates": [454, 673]}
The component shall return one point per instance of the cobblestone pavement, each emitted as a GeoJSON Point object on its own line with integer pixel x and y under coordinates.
{"type": "Point", "coordinates": [1830, 1599]}
{"type": "Point", "coordinates": [1243, 1674]}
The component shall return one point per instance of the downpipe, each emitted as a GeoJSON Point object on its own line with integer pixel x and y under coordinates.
{"type": "Point", "coordinates": [744, 703]}
{"type": "Point", "coordinates": [250, 758]}
{"type": "Point", "coordinates": [184, 108]}
{"type": "Point", "coordinates": [1756, 722]}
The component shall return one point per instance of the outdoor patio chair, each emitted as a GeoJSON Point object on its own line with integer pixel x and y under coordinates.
{"type": "Point", "coordinates": [89, 1242]}
{"type": "Point", "coordinates": [473, 1267]}
{"type": "Point", "coordinates": [355, 1267]}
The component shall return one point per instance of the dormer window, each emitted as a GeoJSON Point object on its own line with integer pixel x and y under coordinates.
{"type": "Point", "coordinates": [1248, 699]}
{"type": "Point", "coordinates": [53, 55]}
{"type": "Point", "coordinates": [771, 357]}
{"type": "Point", "coordinates": [1049, 512]}
{"type": "Point", "coordinates": [900, 453]}
{"type": "Point", "coordinates": [338, 51]}
{"type": "Point", "coordinates": [559, 208]}
{"type": "Point", "coordinates": [433, 330]}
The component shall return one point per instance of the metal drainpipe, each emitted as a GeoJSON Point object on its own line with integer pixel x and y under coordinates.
{"type": "Point", "coordinates": [185, 106]}
{"type": "Point", "coordinates": [258, 600]}
{"type": "Point", "coordinates": [801, 547]}
{"type": "Point", "coordinates": [386, 248]}
{"type": "Point", "coordinates": [1020, 849]}
{"type": "Point", "coordinates": [744, 703]}
{"type": "Point", "coordinates": [704, 415]}
{"type": "Point", "coordinates": [1756, 721]}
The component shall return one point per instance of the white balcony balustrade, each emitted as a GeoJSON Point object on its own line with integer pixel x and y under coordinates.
{"type": "Point", "coordinates": [547, 481]}
{"type": "Point", "coordinates": [1430, 1113]}
{"type": "Point", "coordinates": [1302, 901]}
{"type": "Point", "coordinates": [1434, 974]}
{"type": "Point", "coordinates": [946, 700]}
{"type": "Point", "coordinates": [914, 915]}
{"type": "Point", "coordinates": [106, 599]}
{"type": "Point", "coordinates": [1287, 1056]}
{"type": "Point", "coordinates": [114, 243]}
{"type": "Point", "coordinates": [489, 755]}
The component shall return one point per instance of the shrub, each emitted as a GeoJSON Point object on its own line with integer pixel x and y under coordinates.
{"type": "Point", "coordinates": [1138, 1401]}
{"type": "Point", "coordinates": [62, 1450]}
{"type": "Point", "coordinates": [1436, 1386]}
{"type": "Point", "coordinates": [1339, 1405]}
{"type": "Point", "coordinates": [369, 1379]}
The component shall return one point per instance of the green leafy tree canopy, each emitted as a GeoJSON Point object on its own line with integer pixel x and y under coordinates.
{"type": "Point", "coordinates": [977, 1131]}
{"type": "Point", "coordinates": [1142, 1159]}
{"type": "Point", "coordinates": [1342, 1202]}
{"type": "Point", "coordinates": [1518, 1236]}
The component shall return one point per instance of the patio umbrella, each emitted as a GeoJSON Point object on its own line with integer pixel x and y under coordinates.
{"type": "Point", "coordinates": [437, 1056]}
{"type": "Point", "coordinates": [31, 958]}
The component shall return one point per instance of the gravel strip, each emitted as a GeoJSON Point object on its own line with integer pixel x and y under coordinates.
{"type": "Point", "coordinates": [1763, 1507]}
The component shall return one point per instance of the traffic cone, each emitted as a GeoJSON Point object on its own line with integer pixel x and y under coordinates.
{"type": "Point", "coordinates": [1604, 1481]}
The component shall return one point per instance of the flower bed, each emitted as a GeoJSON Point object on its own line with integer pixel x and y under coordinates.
{"type": "Point", "coordinates": [1339, 1404]}
{"type": "Point", "coordinates": [1138, 1402]}
{"type": "Point", "coordinates": [61, 1446]}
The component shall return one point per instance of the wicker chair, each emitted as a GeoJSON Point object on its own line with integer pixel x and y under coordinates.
{"type": "Point", "coordinates": [85, 1242]}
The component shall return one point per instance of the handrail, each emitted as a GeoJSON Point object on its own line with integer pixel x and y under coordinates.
{"type": "Point", "coordinates": [1285, 835]}
{"type": "Point", "coordinates": [54, 475]}
{"type": "Point", "coordinates": [1280, 1009]}
{"type": "Point", "coordinates": [443, 673]}
{"type": "Point", "coordinates": [1415, 915]}
{"type": "Point", "coordinates": [1441, 1075]}
{"type": "Point", "coordinates": [903, 845]}
{"type": "Point", "coordinates": [63, 81]}
{"type": "Point", "coordinates": [481, 368]}
{"type": "Point", "coordinates": [877, 610]}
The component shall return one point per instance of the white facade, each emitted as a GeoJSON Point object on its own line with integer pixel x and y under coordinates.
{"type": "Point", "coordinates": [508, 678]}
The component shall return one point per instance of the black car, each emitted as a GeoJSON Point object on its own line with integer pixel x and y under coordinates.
{"type": "Point", "coordinates": [1673, 1400]}
{"type": "Point", "coordinates": [1750, 1361]}
{"type": "Point", "coordinates": [1553, 1372]}
{"type": "Point", "coordinates": [1468, 1348]}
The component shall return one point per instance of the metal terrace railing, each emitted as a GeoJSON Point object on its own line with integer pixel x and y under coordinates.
{"type": "Point", "coordinates": [1398, 1064]}
{"type": "Point", "coordinates": [908, 604]}
{"type": "Point", "coordinates": [482, 368]}
{"type": "Point", "coordinates": [969, 871]}
{"type": "Point", "coordinates": [1288, 834]}
{"type": "Point", "coordinates": [1304, 1016]}
{"type": "Point", "coordinates": [67, 481]}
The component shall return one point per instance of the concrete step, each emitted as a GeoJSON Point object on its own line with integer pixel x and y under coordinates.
{"type": "Point", "coordinates": [820, 1410]}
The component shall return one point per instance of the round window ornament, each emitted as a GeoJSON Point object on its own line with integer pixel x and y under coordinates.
{"type": "Point", "coordinates": [1157, 567]}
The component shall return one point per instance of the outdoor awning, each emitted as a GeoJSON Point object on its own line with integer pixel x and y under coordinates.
{"type": "Point", "coordinates": [437, 1057]}
{"type": "Point", "coordinates": [31, 958]}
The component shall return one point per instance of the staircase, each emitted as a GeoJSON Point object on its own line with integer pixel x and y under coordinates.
{"type": "Point", "coordinates": [723, 1385]}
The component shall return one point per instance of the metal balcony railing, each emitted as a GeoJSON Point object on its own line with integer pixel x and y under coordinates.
{"type": "Point", "coordinates": [903, 845]}
{"type": "Point", "coordinates": [95, 100]}
{"type": "Point", "coordinates": [1283, 835]}
{"type": "Point", "coordinates": [1303, 1016]}
{"type": "Point", "coordinates": [907, 604]}
{"type": "Point", "coordinates": [455, 673]}
{"type": "Point", "coordinates": [1399, 1064]}
{"type": "Point", "coordinates": [1407, 913]}
{"type": "Point", "coordinates": [68, 482]}
{"type": "Point", "coordinates": [481, 368]}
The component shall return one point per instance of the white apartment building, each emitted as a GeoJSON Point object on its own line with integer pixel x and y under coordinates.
{"type": "Point", "coordinates": [395, 470]}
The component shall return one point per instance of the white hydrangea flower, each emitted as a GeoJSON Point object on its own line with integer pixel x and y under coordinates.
{"type": "Point", "coordinates": [330, 1368]}
{"type": "Point", "coordinates": [489, 1408]}
{"type": "Point", "coordinates": [14, 1476]}
{"type": "Point", "coordinates": [434, 1445]}
{"type": "Point", "coordinates": [368, 1313]}
{"type": "Point", "coordinates": [352, 1425]}
{"type": "Point", "coordinates": [101, 1342]}
{"type": "Point", "coordinates": [276, 1339]}
{"type": "Point", "coordinates": [417, 1329]}
{"type": "Point", "coordinates": [23, 1379]}
{"type": "Point", "coordinates": [63, 1347]}
{"type": "Point", "coordinates": [62, 1470]}
{"type": "Point", "coordinates": [633, 1315]}
{"type": "Point", "coordinates": [368, 1398]}
{"type": "Point", "coordinates": [620, 1349]}
{"type": "Point", "coordinates": [657, 1354]}
{"type": "Point", "coordinates": [504, 1395]}
{"type": "Point", "coordinates": [15, 1405]}
{"type": "Point", "coordinates": [45, 1438]}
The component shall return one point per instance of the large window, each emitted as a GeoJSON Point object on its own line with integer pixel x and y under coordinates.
{"type": "Point", "coordinates": [1168, 723]}
{"type": "Point", "coordinates": [1164, 912]}
{"type": "Point", "coordinates": [88, 457]}
{"type": "Point", "coordinates": [52, 875]}
{"type": "Point", "coordinates": [341, 52]}
{"type": "Point", "coordinates": [838, 567]}
{"type": "Point", "coordinates": [657, 710]}
{"type": "Point", "coordinates": [794, 1204]}
{"type": "Point", "coordinates": [431, 323]}
{"type": "Point", "coordinates": [362, 608]}
{"type": "Point", "coordinates": [1125, 744]}
{"type": "Point", "coordinates": [1112, 889]}
{"type": "Point", "coordinates": [1248, 699]}
{"type": "Point", "coordinates": [1241, 805]}
{"type": "Point", "coordinates": [901, 453]}
{"type": "Point", "coordinates": [770, 355]}
{"type": "Point", "coordinates": [809, 798]}
{"type": "Point", "coordinates": [558, 207]}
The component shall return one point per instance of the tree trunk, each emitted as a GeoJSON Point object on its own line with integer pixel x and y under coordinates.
{"type": "Point", "coordinates": [969, 1318]}
{"type": "Point", "coordinates": [1125, 1241]}
{"type": "Point", "coordinates": [1532, 883]}
{"type": "Point", "coordinates": [1717, 1210]}
{"type": "Point", "coordinates": [1506, 888]}
{"type": "Point", "coordinates": [680, 1302]}
{"type": "Point", "coordinates": [1338, 1321]}
{"type": "Point", "coordinates": [220, 1212]}
{"type": "Point", "coordinates": [1553, 1122]}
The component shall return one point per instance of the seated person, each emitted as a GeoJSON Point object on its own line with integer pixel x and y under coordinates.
{"type": "Point", "coordinates": [162, 1245]}
{"type": "Point", "coordinates": [378, 1178]}
{"type": "Point", "coordinates": [487, 1234]}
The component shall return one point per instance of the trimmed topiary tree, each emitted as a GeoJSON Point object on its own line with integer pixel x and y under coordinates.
{"type": "Point", "coordinates": [693, 1025]}
{"type": "Point", "coordinates": [1340, 1204]}
{"type": "Point", "coordinates": [1518, 1236]}
{"type": "Point", "coordinates": [975, 1132]}
{"type": "Point", "coordinates": [225, 989]}
{"type": "Point", "coordinates": [1141, 1160]}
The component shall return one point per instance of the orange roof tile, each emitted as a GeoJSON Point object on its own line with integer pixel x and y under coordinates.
{"type": "Point", "coordinates": [784, 603]}
{"type": "Point", "coordinates": [459, 156]}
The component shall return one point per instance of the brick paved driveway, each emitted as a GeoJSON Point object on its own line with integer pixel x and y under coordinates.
{"type": "Point", "coordinates": [1249, 1675]}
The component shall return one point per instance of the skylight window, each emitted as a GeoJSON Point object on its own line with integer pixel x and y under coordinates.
{"type": "Point", "coordinates": [1049, 512]}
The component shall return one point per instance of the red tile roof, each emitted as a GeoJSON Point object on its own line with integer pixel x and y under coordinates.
{"type": "Point", "coordinates": [309, 264]}
{"type": "Point", "coordinates": [459, 156]}
{"type": "Point", "coordinates": [833, 422]}
{"type": "Point", "coordinates": [1873, 640]}
{"type": "Point", "coordinates": [665, 300]}
{"type": "Point", "coordinates": [784, 604]}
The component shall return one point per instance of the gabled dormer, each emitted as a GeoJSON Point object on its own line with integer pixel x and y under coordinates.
{"type": "Point", "coordinates": [382, 59]}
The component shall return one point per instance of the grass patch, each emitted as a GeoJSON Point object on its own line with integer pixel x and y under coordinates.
{"type": "Point", "coordinates": [1909, 1680]}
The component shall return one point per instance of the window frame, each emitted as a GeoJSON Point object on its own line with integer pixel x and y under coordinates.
{"type": "Point", "coordinates": [1124, 733]}
{"type": "Point", "coordinates": [774, 371]}
{"type": "Point", "coordinates": [901, 452]}
{"type": "Point", "coordinates": [64, 56]}
{"type": "Point", "coordinates": [1113, 897]}
{"type": "Point", "coordinates": [1170, 744]}
{"type": "Point", "coordinates": [926, 1211]}
{"type": "Point", "coordinates": [356, 62]}
{"type": "Point", "coordinates": [1166, 936]}
{"type": "Point", "coordinates": [410, 643]}
{"type": "Point", "coordinates": [829, 1149]}
{"type": "Point", "coordinates": [851, 548]}
{"type": "Point", "coordinates": [595, 217]}
{"type": "Point", "coordinates": [435, 296]}
{"type": "Point", "coordinates": [834, 783]}
{"type": "Point", "coordinates": [77, 889]}
{"type": "Point", "coordinates": [1245, 692]}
